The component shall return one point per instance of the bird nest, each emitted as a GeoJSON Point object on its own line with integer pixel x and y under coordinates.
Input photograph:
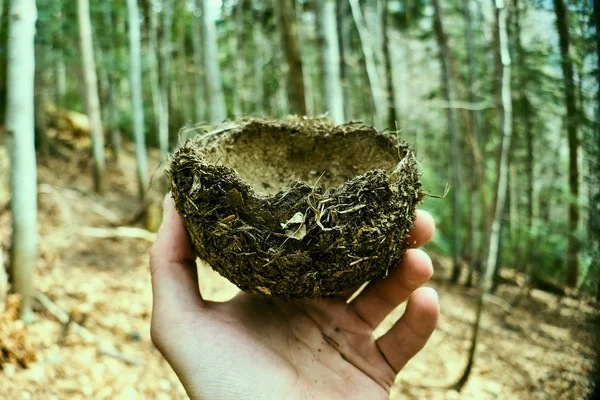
{"type": "Point", "coordinates": [299, 208]}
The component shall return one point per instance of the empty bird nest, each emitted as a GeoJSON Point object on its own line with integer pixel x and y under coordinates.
{"type": "Point", "coordinates": [300, 208]}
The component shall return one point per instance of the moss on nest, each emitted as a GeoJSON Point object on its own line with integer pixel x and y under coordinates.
{"type": "Point", "coordinates": [298, 208]}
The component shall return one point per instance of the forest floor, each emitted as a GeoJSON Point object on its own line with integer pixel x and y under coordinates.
{"type": "Point", "coordinates": [543, 349]}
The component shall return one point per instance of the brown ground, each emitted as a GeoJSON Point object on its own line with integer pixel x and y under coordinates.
{"type": "Point", "coordinates": [541, 350]}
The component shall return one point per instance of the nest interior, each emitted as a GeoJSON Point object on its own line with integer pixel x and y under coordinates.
{"type": "Point", "coordinates": [298, 208]}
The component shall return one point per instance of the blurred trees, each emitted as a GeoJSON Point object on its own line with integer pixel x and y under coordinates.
{"type": "Point", "coordinates": [286, 14]}
{"type": "Point", "coordinates": [329, 53]}
{"type": "Point", "coordinates": [502, 184]}
{"type": "Point", "coordinates": [444, 57]}
{"type": "Point", "coordinates": [90, 92]}
{"type": "Point", "coordinates": [214, 86]}
{"type": "Point", "coordinates": [439, 63]}
{"type": "Point", "coordinates": [595, 202]}
{"type": "Point", "coordinates": [137, 108]}
{"type": "Point", "coordinates": [572, 123]}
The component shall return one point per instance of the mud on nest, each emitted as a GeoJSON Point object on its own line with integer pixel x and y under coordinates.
{"type": "Point", "coordinates": [298, 208]}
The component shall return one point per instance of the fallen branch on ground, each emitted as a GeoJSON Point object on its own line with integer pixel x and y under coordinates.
{"type": "Point", "coordinates": [122, 231]}
{"type": "Point", "coordinates": [97, 208]}
{"type": "Point", "coordinates": [497, 301]}
{"type": "Point", "coordinates": [103, 348]}
{"type": "Point", "coordinates": [65, 210]}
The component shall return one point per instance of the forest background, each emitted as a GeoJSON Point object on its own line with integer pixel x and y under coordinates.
{"type": "Point", "coordinates": [500, 99]}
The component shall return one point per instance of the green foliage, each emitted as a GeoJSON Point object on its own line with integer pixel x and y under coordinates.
{"type": "Point", "coordinates": [406, 13]}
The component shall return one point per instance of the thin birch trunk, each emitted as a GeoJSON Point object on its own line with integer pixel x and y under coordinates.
{"type": "Point", "coordinates": [165, 78]}
{"type": "Point", "coordinates": [329, 52]}
{"type": "Point", "coordinates": [199, 94]}
{"type": "Point", "coordinates": [368, 44]}
{"type": "Point", "coordinates": [313, 102]}
{"type": "Point", "coordinates": [41, 122]}
{"type": "Point", "coordinates": [61, 80]}
{"type": "Point", "coordinates": [501, 188]}
{"type": "Point", "coordinates": [112, 117]}
{"type": "Point", "coordinates": [291, 46]}
{"type": "Point", "coordinates": [92, 101]}
{"type": "Point", "coordinates": [595, 209]}
{"type": "Point", "coordinates": [444, 55]}
{"type": "Point", "coordinates": [214, 85]}
{"type": "Point", "coordinates": [238, 63]}
{"type": "Point", "coordinates": [345, 52]}
{"type": "Point", "coordinates": [391, 103]}
{"type": "Point", "coordinates": [184, 102]}
{"type": "Point", "coordinates": [259, 85]}
{"type": "Point", "coordinates": [474, 187]}
{"type": "Point", "coordinates": [152, 51]}
{"type": "Point", "coordinates": [572, 121]}
{"type": "Point", "coordinates": [21, 147]}
{"type": "Point", "coordinates": [135, 76]}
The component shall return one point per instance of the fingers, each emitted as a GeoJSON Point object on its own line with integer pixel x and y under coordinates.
{"type": "Point", "coordinates": [173, 266]}
{"type": "Point", "coordinates": [408, 336]}
{"type": "Point", "coordinates": [380, 298]}
{"type": "Point", "coordinates": [422, 230]}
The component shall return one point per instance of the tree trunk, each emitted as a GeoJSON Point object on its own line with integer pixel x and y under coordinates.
{"type": "Point", "coordinates": [92, 101]}
{"type": "Point", "coordinates": [153, 50]}
{"type": "Point", "coordinates": [595, 207]}
{"type": "Point", "coordinates": [291, 46]}
{"type": "Point", "coordinates": [313, 102]}
{"type": "Point", "coordinates": [572, 120]}
{"type": "Point", "coordinates": [526, 112]}
{"type": "Point", "coordinates": [474, 187]}
{"type": "Point", "coordinates": [41, 122]}
{"type": "Point", "coordinates": [137, 107]}
{"type": "Point", "coordinates": [283, 99]}
{"type": "Point", "coordinates": [259, 88]}
{"type": "Point", "coordinates": [239, 62]}
{"type": "Point", "coordinates": [21, 146]}
{"type": "Point", "coordinates": [198, 65]}
{"type": "Point", "coordinates": [61, 79]}
{"type": "Point", "coordinates": [367, 46]}
{"type": "Point", "coordinates": [329, 52]}
{"type": "Point", "coordinates": [165, 78]}
{"type": "Point", "coordinates": [501, 188]}
{"type": "Point", "coordinates": [112, 117]}
{"type": "Point", "coordinates": [214, 85]}
{"type": "Point", "coordinates": [444, 55]}
{"type": "Point", "coordinates": [60, 69]}
{"type": "Point", "coordinates": [391, 104]}
{"type": "Point", "coordinates": [343, 27]}
{"type": "Point", "coordinates": [187, 90]}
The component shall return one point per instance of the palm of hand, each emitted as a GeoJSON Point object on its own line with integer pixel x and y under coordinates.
{"type": "Point", "coordinates": [258, 347]}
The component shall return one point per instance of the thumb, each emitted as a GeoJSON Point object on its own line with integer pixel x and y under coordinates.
{"type": "Point", "coordinates": [173, 267]}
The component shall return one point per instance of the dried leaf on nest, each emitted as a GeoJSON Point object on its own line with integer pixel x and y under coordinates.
{"type": "Point", "coordinates": [297, 208]}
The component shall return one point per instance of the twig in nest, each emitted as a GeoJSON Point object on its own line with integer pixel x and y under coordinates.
{"type": "Point", "coordinates": [65, 319]}
{"type": "Point", "coordinates": [435, 196]}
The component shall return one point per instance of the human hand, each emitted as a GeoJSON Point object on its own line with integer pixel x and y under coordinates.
{"type": "Point", "coordinates": [255, 347]}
